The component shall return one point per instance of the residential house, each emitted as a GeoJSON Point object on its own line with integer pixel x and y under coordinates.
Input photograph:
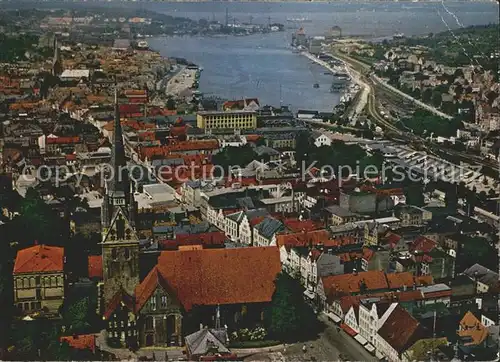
{"type": "Point", "coordinates": [373, 313]}
{"type": "Point", "coordinates": [337, 215]}
{"type": "Point", "coordinates": [237, 225]}
{"type": "Point", "coordinates": [321, 139]}
{"type": "Point", "coordinates": [310, 264]}
{"type": "Point", "coordinates": [411, 215]}
{"type": "Point", "coordinates": [350, 230]}
{"type": "Point", "coordinates": [351, 317]}
{"type": "Point", "coordinates": [398, 333]}
{"type": "Point", "coordinates": [486, 280]}
{"type": "Point", "coordinates": [264, 231]}
{"type": "Point", "coordinates": [375, 259]}
{"type": "Point", "coordinates": [350, 284]}
{"type": "Point", "coordinates": [39, 280]}
{"type": "Point", "coordinates": [437, 293]}
{"type": "Point", "coordinates": [471, 331]}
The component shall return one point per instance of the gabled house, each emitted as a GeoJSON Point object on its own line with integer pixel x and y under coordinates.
{"type": "Point", "coordinates": [372, 315]}
{"type": "Point", "coordinates": [237, 225]}
{"type": "Point", "coordinates": [471, 331]}
{"type": "Point", "coordinates": [486, 280]}
{"type": "Point", "coordinates": [398, 333]}
{"type": "Point", "coordinates": [265, 230]}
{"type": "Point", "coordinates": [310, 264]}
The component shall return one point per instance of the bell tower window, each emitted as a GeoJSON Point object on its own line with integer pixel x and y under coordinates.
{"type": "Point", "coordinates": [120, 228]}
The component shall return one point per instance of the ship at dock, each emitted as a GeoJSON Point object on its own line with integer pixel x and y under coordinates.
{"type": "Point", "coordinates": [298, 20]}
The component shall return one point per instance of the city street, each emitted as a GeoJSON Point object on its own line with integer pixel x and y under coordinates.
{"type": "Point", "coordinates": [329, 346]}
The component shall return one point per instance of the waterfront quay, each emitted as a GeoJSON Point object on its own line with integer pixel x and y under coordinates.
{"type": "Point", "coordinates": [361, 88]}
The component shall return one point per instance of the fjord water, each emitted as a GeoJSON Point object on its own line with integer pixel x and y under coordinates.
{"type": "Point", "coordinates": [264, 66]}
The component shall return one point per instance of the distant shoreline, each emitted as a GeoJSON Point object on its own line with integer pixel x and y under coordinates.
{"type": "Point", "coordinates": [259, 1]}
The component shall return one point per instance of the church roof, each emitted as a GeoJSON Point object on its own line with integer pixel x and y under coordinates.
{"type": "Point", "coordinates": [221, 276]}
{"type": "Point", "coordinates": [121, 297]}
{"type": "Point", "coordinates": [145, 290]}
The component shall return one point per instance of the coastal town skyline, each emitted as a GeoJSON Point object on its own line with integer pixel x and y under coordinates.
{"type": "Point", "coordinates": [249, 181]}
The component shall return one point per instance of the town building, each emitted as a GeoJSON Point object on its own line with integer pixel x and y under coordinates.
{"type": "Point", "coordinates": [212, 120]}
{"type": "Point", "coordinates": [39, 281]}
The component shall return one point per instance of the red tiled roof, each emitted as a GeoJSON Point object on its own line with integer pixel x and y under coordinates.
{"type": "Point", "coordinates": [221, 276]}
{"type": "Point", "coordinates": [423, 244]}
{"type": "Point", "coordinates": [296, 225]}
{"type": "Point", "coordinates": [147, 287]}
{"type": "Point", "coordinates": [400, 280]}
{"type": "Point", "coordinates": [135, 93]}
{"type": "Point", "coordinates": [240, 103]}
{"type": "Point", "coordinates": [424, 280]}
{"type": "Point", "coordinates": [182, 173]}
{"type": "Point", "coordinates": [351, 283]}
{"type": "Point", "coordinates": [400, 329]}
{"type": "Point", "coordinates": [252, 137]}
{"type": "Point", "coordinates": [206, 239]}
{"type": "Point", "coordinates": [82, 341]}
{"type": "Point", "coordinates": [243, 181]}
{"type": "Point", "coordinates": [471, 327]}
{"type": "Point", "coordinates": [391, 239]}
{"type": "Point", "coordinates": [346, 302]}
{"type": "Point", "coordinates": [302, 238]}
{"type": "Point", "coordinates": [136, 125]}
{"type": "Point", "coordinates": [95, 266]}
{"type": "Point", "coordinates": [129, 108]}
{"type": "Point", "coordinates": [62, 140]}
{"type": "Point", "coordinates": [181, 146]}
{"type": "Point", "coordinates": [256, 220]}
{"type": "Point", "coordinates": [39, 258]}
{"type": "Point", "coordinates": [352, 255]}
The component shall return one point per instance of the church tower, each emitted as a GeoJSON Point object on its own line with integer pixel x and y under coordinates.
{"type": "Point", "coordinates": [56, 62]}
{"type": "Point", "coordinates": [120, 244]}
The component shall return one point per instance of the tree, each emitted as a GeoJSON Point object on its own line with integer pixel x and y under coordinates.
{"type": "Point", "coordinates": [76, 316]}
{"type": "Point", "coordinates": [171, 105]}
{"type": "Point", "coordinates": [436, 99]}
{"type": "Point", "coordinates": [427, 95]}
{"type": "Point", "coordinates": [234, 156]}
{"type": "Point", "coordinates": [289, 317]}
{"type": "Point", "coordinates": [37, 222]}
{"type": "Point", "coordinates": [414, 194]}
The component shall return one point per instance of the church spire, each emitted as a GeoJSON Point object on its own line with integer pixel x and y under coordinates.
{"type": "Point", "coordinates": [56, 62]}
{"type": "Point", "coordinates": [118, 182]}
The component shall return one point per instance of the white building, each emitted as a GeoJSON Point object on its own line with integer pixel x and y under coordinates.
{"type": "Point", "coordinates": [237, 225]}
{"type": "Point", "coordinates": [321, 139]}
{"type": "Point", "coordinates": [372, 316]}
{"type": "Point", "coordinates": [264, 232]}
{"type": "Point", "coordinates": [310, 264]}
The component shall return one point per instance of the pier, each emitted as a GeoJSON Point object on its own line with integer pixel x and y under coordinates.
{"type": "Point", "coordinates": [361, 98]}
